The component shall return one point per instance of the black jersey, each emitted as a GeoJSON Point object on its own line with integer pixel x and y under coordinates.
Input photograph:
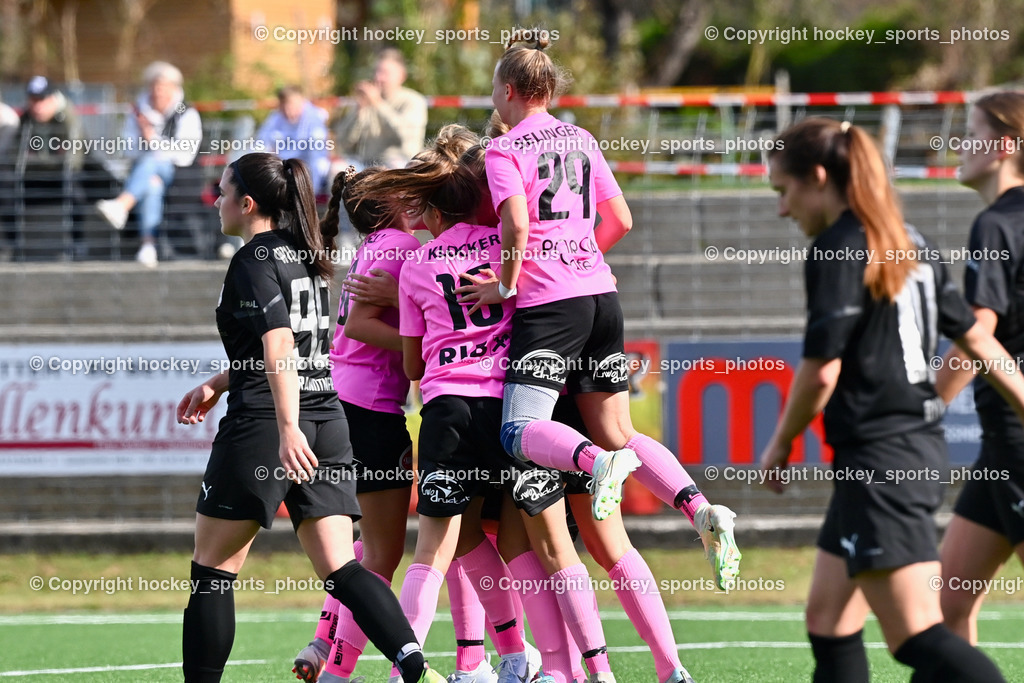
{"type": "Point", "coordinates": [886, 384]}
{"type": "Point", "coordinates": [994, 279]}
{"type": "Point", "coordinates": [268, 286]}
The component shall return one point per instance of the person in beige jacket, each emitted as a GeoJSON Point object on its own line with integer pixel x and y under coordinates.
{"type": "Point", "coordinates": [388, 124]}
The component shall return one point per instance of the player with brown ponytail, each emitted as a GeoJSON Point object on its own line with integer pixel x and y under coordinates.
{"type": "Point", "coordinates": [877, 299]}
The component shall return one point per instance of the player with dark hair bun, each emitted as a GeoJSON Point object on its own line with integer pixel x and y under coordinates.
{"type": "Point", "coordinates": [285, 436]}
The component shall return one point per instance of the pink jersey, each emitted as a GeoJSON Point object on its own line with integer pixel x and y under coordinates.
{"type": "Point", "coordinates": [561, 172]}
{"type": "Point", "coordinates": [465, 355]}
{"type": "Point", "coordinates": [364, 375]}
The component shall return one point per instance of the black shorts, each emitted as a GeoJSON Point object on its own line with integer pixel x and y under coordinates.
{"type": "Point", "coordinates": [244, 477]}
{"type": "Point", "coordinates": [993, 495]}
{"type": "Point", "coordinates": [578, 343]}
{"type": "Point", "coordinates": [494, 496]}
{"type": "Point", "coordinates": [381, 449]}
{"type": "Point", "coordinates": [460, 455]}
{"type": "Point", "coordinates": [885, 524]}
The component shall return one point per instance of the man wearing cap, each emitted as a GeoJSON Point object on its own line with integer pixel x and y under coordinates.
{"type": "Point", "coordinates": [45, 167]}
{"type": "Point", "coordinates": [165, 132]}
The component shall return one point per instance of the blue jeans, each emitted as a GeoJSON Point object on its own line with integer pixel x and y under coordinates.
{"type": "Point", "coordinates": [144, 183]}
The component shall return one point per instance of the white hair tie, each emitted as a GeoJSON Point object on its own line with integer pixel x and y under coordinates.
{"type": "Point", "coordinates": [844, 127]}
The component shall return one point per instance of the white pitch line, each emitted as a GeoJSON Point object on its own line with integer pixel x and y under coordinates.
{"type": "Point", "coordinates": [442, 617]}
{"type": "Point", "coordinates": [126, 667]}
{"type": "Point", "coordinates": [625, 649]}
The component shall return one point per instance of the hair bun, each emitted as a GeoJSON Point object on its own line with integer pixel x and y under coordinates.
{"type": "Point", "coordinates": [535, 38]}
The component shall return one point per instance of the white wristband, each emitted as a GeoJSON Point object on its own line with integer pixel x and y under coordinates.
{"type": "Point", "coordinates": [505, 292]}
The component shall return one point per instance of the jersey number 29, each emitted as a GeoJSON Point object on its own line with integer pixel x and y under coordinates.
{"type": "Point", "coordinates": [551, 165]}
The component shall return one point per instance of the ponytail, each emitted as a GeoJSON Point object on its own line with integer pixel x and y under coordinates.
{"type": "Point", "coordinates": [854, 165]}
{"type": "Point", "coordinates": [366, 216]}
{"type": "Point", "coordinates": [283, 192]}
{"type": "Point", "coordinates": [440, 183]}
{"type": "Point", "coordinates": [872, 199]}
{"type": "Point", "coordinates": [306, 227]}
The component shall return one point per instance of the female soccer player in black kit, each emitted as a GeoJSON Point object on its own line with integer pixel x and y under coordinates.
{"type": "Point", "coordinates": [284, 437]}
{"type": "Point", "coordinates": [988, 520]}
{"type": "Point", "coordinates": [877, 299]}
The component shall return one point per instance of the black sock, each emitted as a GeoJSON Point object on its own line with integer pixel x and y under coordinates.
{"type": "Point", "coordinates": [377, 612]}
{"type": "Point", "coordinates": [937, 654]}
{"type": "Point", "coordinates": [208, 629]}
{"type": "Point", "coordinates": [840, 660]}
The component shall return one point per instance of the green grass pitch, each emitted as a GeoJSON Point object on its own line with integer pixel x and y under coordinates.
{"type": "Point", "coordinates": [752, 643]}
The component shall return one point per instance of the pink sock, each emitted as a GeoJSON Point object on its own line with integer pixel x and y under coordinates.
{"type": "Point", "coordinates": [545, 618]}
{"type": "Point", "coordinates": [327, 625]}
{"type": "Point", "coordinates": [578, 604]}
{"type": "Point", "coordinates": [664, 476]}
{"type": "Point", "coordinates": [332, 606]}
{"type": "Point", "coordinates": [350, 641]}
{"type": "Point", "coordinates": [553, 444]}
{"type": "Point", "coordinates": [484, 567]}
{"type": "Point", "coordinates": [419, 597]}
{"type": "Point", "coordinates": [516, 600]}
{"type": "Point", "coordinates": [343, 659]}
{"type": "Point", "coordinates": [467, 617]}
{"type": "Point", "coordinates": [419, 600]}
{"type": "Point", "coordinates": [575, 656]}
{"type": "Point", "coordinates": [646, 610]}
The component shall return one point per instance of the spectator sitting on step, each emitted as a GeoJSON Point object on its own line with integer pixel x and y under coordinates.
{"type": "Point", "coordinates": [165, 133]}
{"type": "Point", "coordinates": [297, 129]}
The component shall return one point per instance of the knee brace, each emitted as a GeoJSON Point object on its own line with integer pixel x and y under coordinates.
{"type": "Point", "coordinates": [523, 403]}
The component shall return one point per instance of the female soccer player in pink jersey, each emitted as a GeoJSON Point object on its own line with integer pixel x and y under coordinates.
{"type": "Point", "coordinates": [366, 367]}
{"type": "Point", "coordinates": [606, 540]}
{"type": "Point", "coordinates": [549, 182]}
{"type": "Point", "coordinates": [460, 356]}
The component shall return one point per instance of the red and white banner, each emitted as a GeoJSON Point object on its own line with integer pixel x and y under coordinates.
{"type": "Point", "coordinates": [103, 409]}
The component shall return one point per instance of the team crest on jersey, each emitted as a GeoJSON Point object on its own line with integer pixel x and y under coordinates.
{"type": "Point", "coordinates": [613, 368]}
{"type": "Point", "coordinates": [542, 364]}
{"type": "Point", "coordinates": [443, 487]}
{"type": "Point", "coordinates": [533, 485]}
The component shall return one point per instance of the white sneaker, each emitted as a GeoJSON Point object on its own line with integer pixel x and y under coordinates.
{"type": "Point", "coordinates": [147, 255]}
{"type": "Point", "coordinates": [610, 471]}
{"type": "Point", "coordinates": [513, 668]}
{"type": "Point", "coordinates": [680, 675]}
{"type": "Point", "coordinates": [715, 525]}
{"type": "Point", "coordinates": [113, 212]}
{"type": "Point", "coordinates": [603, 677]}
{"type": "Point", "coordinates": [331, 678]}
{"type": "Point", "coordinates": [481, 674]}
{"type": "Point", "coordinates": [310, 661]}
{"type": "Point", "coordinates": [533, 659]}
